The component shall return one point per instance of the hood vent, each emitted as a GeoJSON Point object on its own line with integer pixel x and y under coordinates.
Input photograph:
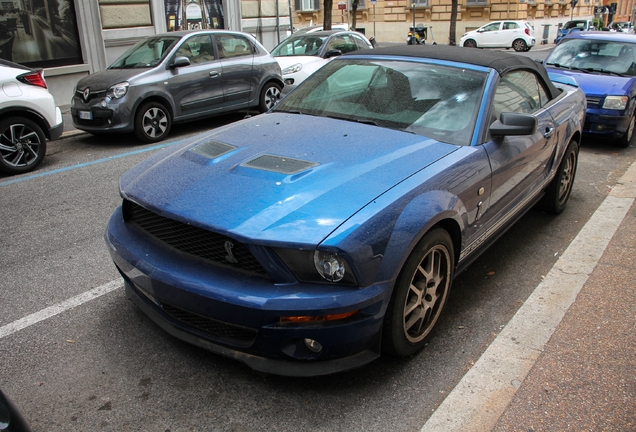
{"type": "Point", "coordinates": [213, 149]}
{"type": "Point", "coordinates": [279, 164]}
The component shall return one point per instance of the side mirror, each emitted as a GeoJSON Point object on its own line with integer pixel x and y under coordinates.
{"type": "Point", "coordinates": [514, 124]}
{"type": "Point", "coordinates": [180, 62]}
{"type": "Point", "coordinates": [333, 53]}
{"type": "Point", "coordinates": [480, 30]}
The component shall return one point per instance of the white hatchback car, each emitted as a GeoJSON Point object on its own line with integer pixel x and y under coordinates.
{"type": "Point", "coordinates": [28, 117]}
{"type": "Point", "coordinates": [301, 55]}
{"type": "Point", "coordinates": [518, 35]}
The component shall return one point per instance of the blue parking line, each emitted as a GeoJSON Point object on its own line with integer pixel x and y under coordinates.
{"type": "Point", "coordinates": [85, 164]}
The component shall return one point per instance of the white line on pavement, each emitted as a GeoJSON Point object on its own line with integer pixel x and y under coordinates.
{"type": "Point", "coordinates": [56, 309]}
{"type": "Point", "coordinates": [483, 394]}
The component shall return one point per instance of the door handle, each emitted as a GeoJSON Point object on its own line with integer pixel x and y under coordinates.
{"type": "Point", "coordinates": [214, 74]}
{"type": "Point", "coordinates": [548, 132]}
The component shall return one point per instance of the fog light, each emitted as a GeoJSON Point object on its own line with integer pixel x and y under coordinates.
{"type": "Point", "coordinates": [103, 103]}
{"type": "Point", "coordinates": [312, 345]}
{"type": "Point", "coordinates": [600, 127]}
{"type": "Point", "coordinates": [289, 81]}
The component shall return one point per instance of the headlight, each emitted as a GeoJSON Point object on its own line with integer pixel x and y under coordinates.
{"type": "Point", "coordinates": [292, 69]}
{"type": "Point", "coordinates": [616, 102]}
{"type": "Point", "coordinates": [317, 266]}
{"type": "Point", "coordinates": [117, 91]}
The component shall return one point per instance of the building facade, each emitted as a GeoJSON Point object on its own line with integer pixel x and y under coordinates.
{"type": "Point", "coordinates": [73, 38]}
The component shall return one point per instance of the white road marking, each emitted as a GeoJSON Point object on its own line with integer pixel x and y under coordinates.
{"type": "Point", "coordinates": [57, 309]}
{"type": "Point", "coordinates": [482, 395]}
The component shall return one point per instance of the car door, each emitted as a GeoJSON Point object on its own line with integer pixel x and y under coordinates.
{"type": "Point", "coordinates": [510, 31]}
{"type": "Point", "coordinates": [520, 164]}
{"type": "Point", "coordinates": [489, 34]}
{"type": "Point", "coordinates": [196, 89]}
{"type": "Point", "coordinates": [240, 77]}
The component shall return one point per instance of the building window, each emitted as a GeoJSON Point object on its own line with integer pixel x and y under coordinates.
{"type": "Point", "coordinates": [307, 5]}
{"type": "Point", "coordinates": [419, 3]}
{"type": "Point", "coordinates": [476, 2]}
{"type": "Point", "coordinates": [40, 33]}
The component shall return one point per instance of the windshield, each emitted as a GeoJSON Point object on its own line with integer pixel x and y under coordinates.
{"type": "Point", "coordinates": [573, 24]}
{"type": "Point", "coordinates": [435, 101]}
{"type": "Point", "coordinates": [595, 56]}
{"type": "Point", "coordinates": [147, 53]}
{"type": "Point", "coordinates": [305, 45]}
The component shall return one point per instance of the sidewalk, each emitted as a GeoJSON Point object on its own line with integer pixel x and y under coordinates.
{"type": "Point", "coordinates": [567, 360]}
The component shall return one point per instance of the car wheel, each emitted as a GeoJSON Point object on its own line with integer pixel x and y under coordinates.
{"type": "Point", "coordinates": [519, 45]}
{"type": "Point", "coordinates": [22, 145]}
{"type": "Point", "coordinates": [470, 44]}
{"type": "Point", "coordinates": [152, 122]}
{"type": "Point", "coordinates": [625, 139]}
{"type": "Point", "coordinates": [419, 296]}
{"type": "Point", "coordinates": [558, 192]}
{"type": "Point", "coordinates": [270, 95]}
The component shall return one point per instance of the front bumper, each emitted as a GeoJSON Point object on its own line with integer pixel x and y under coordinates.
{"type": "Point", "coordinates": [238, 315]}
{"type": "Point", "coordinates": [603, 125]}
{"type": "Point", "coordinates": [112, 116]}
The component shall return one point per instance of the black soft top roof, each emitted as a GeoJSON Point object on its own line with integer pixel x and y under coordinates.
{"type": "Point", "coordinates": [500, 61]}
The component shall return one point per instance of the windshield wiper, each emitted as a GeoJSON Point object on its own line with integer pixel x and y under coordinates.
{"type": "Point", "coordinates": [558, 65]}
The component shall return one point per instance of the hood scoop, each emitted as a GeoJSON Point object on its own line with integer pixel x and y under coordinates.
{"type": "Point", "coordinates": [279, 164]}
{"type": "Point", "coordinates": [213, 149]}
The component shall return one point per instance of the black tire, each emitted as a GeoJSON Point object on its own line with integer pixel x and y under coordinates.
{"type": "Point", "coordinates": [519, 45]}
{"type": "Point", "coordinates": [625, 139]}
{"type": "Point", "coordinates": [470, 43]}
{"type": "Point", "coordinates": [22, 145]}
{"type": "Point", "coordinates": [419, 296]}
{"type": "Point", "coordinates": [152, 122]}
{"type": "Point", "coordinates": [270, 95]}
{"type": "Point", "coordinates": [558, 192]}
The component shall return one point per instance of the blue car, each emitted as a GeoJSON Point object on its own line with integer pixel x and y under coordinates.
{"type": "Point", "coordinates": [308, 240]}
{"type": "Point", "coordinates": [604, 66]}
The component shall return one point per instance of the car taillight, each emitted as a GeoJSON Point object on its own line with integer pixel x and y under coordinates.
{"type": "Point", "coordinates": [35, 78]}
{"type": "Point", "coordinates": [528, 31]}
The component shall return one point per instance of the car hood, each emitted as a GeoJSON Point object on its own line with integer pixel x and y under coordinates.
{"type": "Point", "coordinates": [597, 84]}
{"type": "Point", "coordinates": [278, 178]}
{"type": "Point", "coordinates": [104, 79]}
{"type": "Point", "coordinates": [287, 61]}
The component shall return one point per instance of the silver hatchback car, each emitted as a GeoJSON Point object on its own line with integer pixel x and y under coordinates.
{"type": "Point", "coordinates": [177, 77]}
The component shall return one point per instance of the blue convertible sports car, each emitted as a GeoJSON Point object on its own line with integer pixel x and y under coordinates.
{"type": "Point", "coordinates": [604, 66]}
{"type": "Point", "coordinates": [307, 240]}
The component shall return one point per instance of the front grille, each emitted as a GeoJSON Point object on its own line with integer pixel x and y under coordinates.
{"type": "Point", "coordinates": [204, 244]}
{"type": "Point", "coordinates": [98, 94]}
{"type": "Point", "coordinates": [593, 102]}
{"type": "Point", "coordinates": [231, 333]}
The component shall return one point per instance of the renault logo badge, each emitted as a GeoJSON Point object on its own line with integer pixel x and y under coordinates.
{"type": "Point", "coordinates": [87, 93]}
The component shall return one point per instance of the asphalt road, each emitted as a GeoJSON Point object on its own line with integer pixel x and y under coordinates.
{"type": "Point", "coordinates": [101, 365]}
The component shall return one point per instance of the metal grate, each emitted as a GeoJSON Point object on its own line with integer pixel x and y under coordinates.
{"type": "Point", "coordinates": [593, 101]}
{"type": "Point", "coordinates": [237, 335]}
{"type": "Point", "coordinates": [213, 149]}
{"type": "Point", "coordinates": [204, 244]}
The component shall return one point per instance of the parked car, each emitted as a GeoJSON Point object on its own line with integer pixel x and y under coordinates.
{"type": "Point", "coordinates": [317, 28]}
{"type": "Point", "coordinates": [28, 117]}
{"type": "Point", "coordinates": [604, 66]}
{"type": "Point", "coordinates": [309, 239]}
{"type": "Point", "coordinates": [11, 420]}
{"type": "Point", "coordinates": [518, 35]}
{"type": "Point", "coordinates": [622, 27]}
{"type": "Point", "coordinates": [301, 55]}
{"type": "Point", "coordinates": [574, 26]}
{"type": "Point", "coordinates": [177, 77]}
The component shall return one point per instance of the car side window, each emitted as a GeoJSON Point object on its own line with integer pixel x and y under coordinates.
{"type": "Point", "coordinates": [198, 49]}
{"type": "Point", "coordinates": [492, 27]}
{"type": "Point", "coordinates": [233, 46]}
{"type": "Point", "coordinates": [519, 91]}
{"type": "Point", "coordinates": [510, 25]}
{"type": "Point", "coordinates": [362, 44]}
{"type": "Point", "coordinates": [343, 43]}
